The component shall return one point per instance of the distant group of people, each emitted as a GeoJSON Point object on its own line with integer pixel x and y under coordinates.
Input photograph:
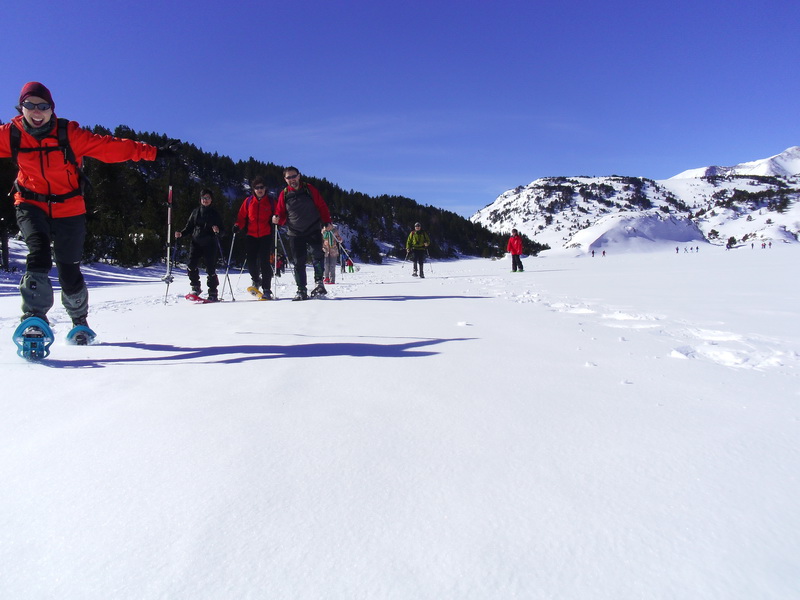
{"type": "Point", "coordinates": [300, 207]}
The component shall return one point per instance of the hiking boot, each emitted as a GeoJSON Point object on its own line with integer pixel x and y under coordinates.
{"type": "Point", "coordinates": [319, 290]}
{"type": "Point", "coordinates": [422, 275]}
{"type": "Point", "coordinates": [267, 295]}
{"type": "Point", "coordinates": [300, 295]}
{"type": "Point", "coordinates": [196, 290]}
{"type": "Point", "coordinates": [326, 280]}
{"type": "Point", "coordinates": [76, 321]}
{"type": "Point", "coordinates": [212, 297]}
{"type": "Point", "coordinates": [28, 315]}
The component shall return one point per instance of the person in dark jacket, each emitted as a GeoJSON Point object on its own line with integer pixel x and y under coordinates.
{"type": "Point", "coordinates": [303, 209]}
{"type": "Point", "coordinates": [48, 194]}
{"type": "Point", "coordinates": [514, 246]}
{"type": "Point", "coordinates": [255, 220]}
{"type": "Point", "coordinates": [204, 225]}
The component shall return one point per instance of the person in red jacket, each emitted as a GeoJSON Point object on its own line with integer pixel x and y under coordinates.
{"type": "Point", "coordinates": [302, 206]}
{"type": "Point", "coordinates": [50, 207]}
{"type": "Point", "coordinates": [515, 248]}
{"type": "Point", "coordinates": [255, 219]}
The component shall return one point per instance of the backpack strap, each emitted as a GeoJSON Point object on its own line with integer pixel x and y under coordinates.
{"type": "Point", "coordinates": [14, 138]}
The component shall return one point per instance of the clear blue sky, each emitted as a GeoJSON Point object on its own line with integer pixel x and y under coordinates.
{"type": "Point", "coordinates": [448, 103]}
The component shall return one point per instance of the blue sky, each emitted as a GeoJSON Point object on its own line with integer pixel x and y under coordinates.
{"type": "Point", "coordinates": [450, 104]}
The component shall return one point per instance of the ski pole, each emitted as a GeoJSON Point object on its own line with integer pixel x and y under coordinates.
{"type": "Point", "coordinates": [168, 278]}
{"type": "Point", "coordinates": [275, 267]}
{"type": "Point", "coordinates": [430, 268]}
{"type": "Point", "coordinates": [227, 279]}
{"type": "Point", "coordinates": [244, 264]}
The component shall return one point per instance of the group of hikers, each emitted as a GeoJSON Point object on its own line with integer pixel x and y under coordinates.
{"type": "Point", "coordinates": [300, 207]}
{"type": "Point", "coordinates": [51, 214]}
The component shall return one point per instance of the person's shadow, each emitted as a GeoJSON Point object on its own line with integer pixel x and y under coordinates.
{"type": "Point", "coordinates": [233, 354]}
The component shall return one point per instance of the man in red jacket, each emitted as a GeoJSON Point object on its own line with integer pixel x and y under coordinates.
{"type": "Point", "coordinates": [515, 248]}
{"type": "Point", "coordinates": [49, 197]}
{"type": "Point", "coordinates": [255, 219]}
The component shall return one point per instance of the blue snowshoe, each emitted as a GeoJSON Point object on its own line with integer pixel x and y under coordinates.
{"type": "Point", "coordinates": [33, 338]}
{"type": "Point", "coordinates": [81, 335]}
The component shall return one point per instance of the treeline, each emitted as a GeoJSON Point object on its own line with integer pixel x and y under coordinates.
{"type": "Point", "coordinates": [127, 208]}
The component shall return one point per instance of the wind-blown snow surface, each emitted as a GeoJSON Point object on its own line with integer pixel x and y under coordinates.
{"type": "Point", "coordinates": [605, 428]}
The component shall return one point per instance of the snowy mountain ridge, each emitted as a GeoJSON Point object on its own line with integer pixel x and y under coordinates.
{"type": "Point", "coordinates": [751, 202]}
{"type": "Point", "coordinates": [785, 164]}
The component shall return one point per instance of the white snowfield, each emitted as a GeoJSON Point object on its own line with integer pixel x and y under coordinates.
{"type": "Point", "coordinates": [618, 427]}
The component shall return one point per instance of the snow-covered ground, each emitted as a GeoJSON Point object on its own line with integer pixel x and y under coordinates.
{"type": "Point", "coordinates": [614, 427]}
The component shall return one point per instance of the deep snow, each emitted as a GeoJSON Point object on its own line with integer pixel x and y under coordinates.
{"type": "Point", "coordinates": [609, 428]}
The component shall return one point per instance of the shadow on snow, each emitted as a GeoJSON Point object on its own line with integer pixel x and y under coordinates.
{"type": "Point", "coordinates": [169, 354]}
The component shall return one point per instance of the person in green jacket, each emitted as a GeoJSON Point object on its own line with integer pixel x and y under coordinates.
{"type": "Point", "coordinates": [417, 245]}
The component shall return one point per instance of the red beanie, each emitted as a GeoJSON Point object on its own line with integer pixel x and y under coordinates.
{"type": "Point", "coordinates": [34, 88]}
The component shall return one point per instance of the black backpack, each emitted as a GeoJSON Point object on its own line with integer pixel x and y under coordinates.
{"type": "Point", "coordinates": [15, 137]}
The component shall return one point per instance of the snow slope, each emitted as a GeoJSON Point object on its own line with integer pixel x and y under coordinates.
{"type": "Point", "coordinates": [785, 164]}
{"type": "Point", "coordinates": [606, 428]}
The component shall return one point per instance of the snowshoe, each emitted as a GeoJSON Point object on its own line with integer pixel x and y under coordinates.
{"type": "Point", "coordinates": [319, 291]}
{"type": "Point", "coordinates": [192, 297]}
{"type": "Point", "coordinates": [255, 292]}
{"type": "Point", "coordinates": [33, 338]}
{"type": "Point", "coordinates": [414, 274]}
{"type": "Point", "coordinates": [81, 335]}
{"type": "Point", "coordinates": [300, 295]}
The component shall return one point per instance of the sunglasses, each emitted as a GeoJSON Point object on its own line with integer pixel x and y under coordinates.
{"type": "Point", "coordinates": [260, 187]}
{"type": "Point", "coordinates": [295, 176]}
{"type": "Point", "coordinates": [35, 106]}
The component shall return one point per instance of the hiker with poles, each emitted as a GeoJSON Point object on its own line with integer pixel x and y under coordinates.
{"type": "Point", "coordinates": [417, 245]}
{"type": "Point", "coordinates": [204, 225]}
{"type": "Point", "coordinates": [331, 240]}
{"type": "Point", "coordinates": [302, 208]}
{"type": "Point", "coordinates": [255, 221]}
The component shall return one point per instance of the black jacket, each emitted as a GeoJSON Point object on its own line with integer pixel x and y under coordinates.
{"type": "Point", "coordinates": [200, 224]}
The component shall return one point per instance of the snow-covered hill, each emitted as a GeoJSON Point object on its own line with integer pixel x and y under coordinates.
{"type": "Point", "coordinates": [785, 164]}
{"type": "Point", "coordinates": [752, 202]}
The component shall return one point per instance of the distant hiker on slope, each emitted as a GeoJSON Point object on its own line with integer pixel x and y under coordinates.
{"type": "Point", "coordinates": [204, 225]}
{"type": "Point", "coordinates": [255, 220]}
{"type": "Point", "coordinates": [417, 244]}
{"type": "Point", "coordinates": [49, 197]}
{"type": "Point", "coordinates": [515, 248]}
{"type": "Point", "coordinates": [330, 246]}
{"type": "Point", "coordinates": [301, 206]}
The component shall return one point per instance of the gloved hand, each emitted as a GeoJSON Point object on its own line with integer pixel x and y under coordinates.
{"type": "Point", "coordinates": [169, 150]}
{"type": "Point", "coordinates": [236, 229]}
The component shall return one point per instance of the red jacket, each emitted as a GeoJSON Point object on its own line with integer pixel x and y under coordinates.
{"type": "Point", "coordinates": [514, 244]}
{"type": "Point", "coordinates": [49, 173]}
{"type": "Point", "coordinates": [255, 216]}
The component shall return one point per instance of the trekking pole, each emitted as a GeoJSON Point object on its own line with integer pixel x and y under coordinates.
{"type": "Point", "coordinates": [275, 266]}
{"type": "Point", "coordinates": [286, 254]}
{"type": "Point", "coordinates": [227, 279]}
{"type": "Point", "coordinates": [168, 278]}
{"type": "Point", "coordinates": [244, 264]}
{"type": "Point", "coordinates": [430, 268]}
{"type": "Point", "coordinates": [405, 260]}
